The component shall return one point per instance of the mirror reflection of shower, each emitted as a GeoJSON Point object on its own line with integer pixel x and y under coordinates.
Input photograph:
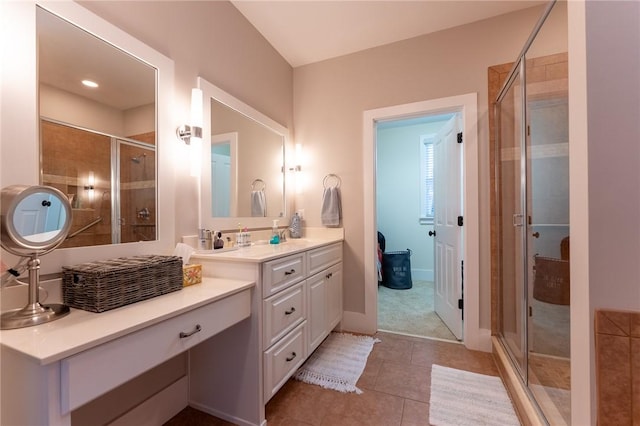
{"type": "Point", "coordinates": [139, 158]}
{"type": "Point", "coordinates": [120, 203]}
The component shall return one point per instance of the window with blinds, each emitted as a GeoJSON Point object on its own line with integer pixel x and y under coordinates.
{"type": "Point", "coordinates": [426, 179]}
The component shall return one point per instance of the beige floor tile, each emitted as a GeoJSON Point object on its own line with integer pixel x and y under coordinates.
{"type": "Point", "coordinates": [415, 413]}
{"type": "Point", "coordinates": [368, 408]}
{"type": "Point", "coordinates": [404, 380]}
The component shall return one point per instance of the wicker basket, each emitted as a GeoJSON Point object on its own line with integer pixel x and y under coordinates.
{"type": "Point", "coordinates": [108, 284]}
{"type": "Point", "coordinates": [552, 281]}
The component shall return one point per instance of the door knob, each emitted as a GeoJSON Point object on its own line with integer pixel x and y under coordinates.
{"type": "Point", "coordinates": [432, 233]}
{"type": "Point", "coordinates": [535, 235]}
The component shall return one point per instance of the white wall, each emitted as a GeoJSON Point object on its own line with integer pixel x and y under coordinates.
{"type": "Point", "coordinates": [604, 70]}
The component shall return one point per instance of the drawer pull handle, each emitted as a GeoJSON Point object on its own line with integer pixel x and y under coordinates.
{"type": "Point", "coordinates": [293, 355]}
{"type": "Point", "coordinates": [329, 275]}
{"type": "Point", "coordinates": [195, 330]}
{"type": "Point", "coordinates": [289, 312]}
{"type": "Point", "coordinates": [292, 271]}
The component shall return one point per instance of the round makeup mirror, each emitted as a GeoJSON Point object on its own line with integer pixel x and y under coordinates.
{"type": "Point", "coordinates": [34, 220]}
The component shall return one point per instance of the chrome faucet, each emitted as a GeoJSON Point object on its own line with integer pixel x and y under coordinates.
{"type": "Point", "coordinates": [283, 235]}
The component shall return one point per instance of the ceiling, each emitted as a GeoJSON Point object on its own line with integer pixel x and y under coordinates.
{"type": "Point", "coordinates": [307, 31]}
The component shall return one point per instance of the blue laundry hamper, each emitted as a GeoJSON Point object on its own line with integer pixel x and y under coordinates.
{"type": "Point", "coordinates": [396, 270]}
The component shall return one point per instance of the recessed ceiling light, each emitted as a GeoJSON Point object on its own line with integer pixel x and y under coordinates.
{"type": "Point", "coordinates": [89, 83]}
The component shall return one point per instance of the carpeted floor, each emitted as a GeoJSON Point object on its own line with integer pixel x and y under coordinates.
{"type": "Point", "coordinates": [411, 311]}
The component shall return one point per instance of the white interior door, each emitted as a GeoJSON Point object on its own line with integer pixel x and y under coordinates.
{"type": "Point", "coordinates": [31, 214]}
{"type": "Point", "coordinates": [220, 185]}
{"type": "Point", "coordinates": [448, 234]}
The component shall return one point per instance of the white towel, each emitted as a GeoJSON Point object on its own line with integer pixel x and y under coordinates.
{"type": "Point", "coordinates": [258, 204]}
{"type": "Point", "coordinates": [330, 214]}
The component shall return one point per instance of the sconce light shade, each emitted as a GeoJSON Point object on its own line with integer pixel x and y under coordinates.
{"type": "Point", "coordinates": [191, 134]}
{"type": "Point", "coordinates": [193, 130]}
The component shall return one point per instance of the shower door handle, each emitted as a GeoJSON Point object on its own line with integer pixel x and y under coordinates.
{"type": "Point", "coordinates": [517, 220]}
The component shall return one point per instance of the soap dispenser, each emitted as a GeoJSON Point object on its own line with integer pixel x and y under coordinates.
{"type": "Point", "coordinates": [275, 234]}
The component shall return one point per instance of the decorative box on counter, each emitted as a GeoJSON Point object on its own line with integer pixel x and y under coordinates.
{"type": "Point", "coordinates": [191, 274]}
{"type": "Point", "coordinates": [108, 284]}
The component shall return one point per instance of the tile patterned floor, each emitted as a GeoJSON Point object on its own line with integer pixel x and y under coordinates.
{"type": "Point", "coordinates": [396, 384]}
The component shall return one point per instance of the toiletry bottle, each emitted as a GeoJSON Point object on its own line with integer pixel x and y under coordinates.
{"type": "Point", "coordinates": [218, 242]}
{"type": "Point", "coordinates": [295, 228]}
{"type": "Point", "coordinates": [275, 235]}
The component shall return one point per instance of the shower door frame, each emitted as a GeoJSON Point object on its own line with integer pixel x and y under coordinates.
{"type": "Point", "coordinates": [517, 72]}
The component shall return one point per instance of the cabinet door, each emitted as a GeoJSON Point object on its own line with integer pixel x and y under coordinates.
{"type": "Point", "coordinates": [317, 286]}
{"type": "Point", "coordinates": [325, 304]}
{"type": "Point", "coordinates": [334, 296]}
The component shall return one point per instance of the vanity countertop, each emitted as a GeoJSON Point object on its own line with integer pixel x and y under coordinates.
{"type": "Point", "coordinates": [263, 251]}
{"type": "Point", "coordinates": [82, 330]}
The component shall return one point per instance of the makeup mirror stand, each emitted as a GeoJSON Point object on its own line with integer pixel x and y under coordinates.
{"type": "Point", "coordinates": [34, 312]}
{"type": "Point", "coordinates": [16, 200]}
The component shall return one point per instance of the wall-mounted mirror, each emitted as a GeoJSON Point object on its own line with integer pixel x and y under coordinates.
{"type": "Point", "coordinates": [97, 108]}
{"type": "Point", "coordinates": [243, 164]}
{"type": "Point", "coordinates": [21, 161]}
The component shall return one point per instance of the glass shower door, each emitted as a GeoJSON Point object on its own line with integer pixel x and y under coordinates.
{"type": "Point", "coordinates": [510, 176]}
{"type": "Point", "coordinates": [547, 180]}
{"type": "Point", "coordinates": [136, 212]}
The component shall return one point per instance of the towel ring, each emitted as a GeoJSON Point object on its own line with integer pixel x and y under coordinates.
{"type": "Point", "coordinates": [258, 182]}
{"type": "Point", "coordinates": [327, 179]}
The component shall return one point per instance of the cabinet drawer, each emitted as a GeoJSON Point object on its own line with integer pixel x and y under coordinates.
{"type": "Point", "coordinates": [282, 312]}
{"type": "Point", "coordinates": [91, 373]}
{"type": "Point", "coordinates": [283, 359]}
{"type": "Point", "coordinates": [323, 257]}
{"type": "Point", "coordinates": [281, 273]}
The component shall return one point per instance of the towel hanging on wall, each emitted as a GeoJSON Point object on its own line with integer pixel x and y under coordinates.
{"type": "Point", "coordinates": [258, 204]}
{"type": "Point", "coordinates": [331, 208]}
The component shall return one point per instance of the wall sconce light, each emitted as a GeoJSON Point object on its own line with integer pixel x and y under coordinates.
{"type": "Point", "coordinates": [91, 184]}
{"type": "Point", "coordinates": [191, 134]}
{"type": "Point", "coordinates": [297, 159]}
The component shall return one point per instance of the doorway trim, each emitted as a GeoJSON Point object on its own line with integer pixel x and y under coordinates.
{"type": "Point", "coordinates": [474, 337]}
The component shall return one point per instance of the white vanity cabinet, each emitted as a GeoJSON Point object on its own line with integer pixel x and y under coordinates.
{"type": "Point", "coordinates": [299, 301]}
{"type": "Point", "coordinates": [294, 296]}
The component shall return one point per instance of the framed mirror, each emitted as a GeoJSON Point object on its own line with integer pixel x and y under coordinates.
{"type": "Point", "coordinates": [20, 126]}
{"type": "Point", "coordinates": [244, 175]}
{"type": "Point", "coordinates": [97, 133]}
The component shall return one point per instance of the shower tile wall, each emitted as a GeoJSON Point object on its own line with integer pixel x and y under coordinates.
{"type": "Point", "coordinates": [618, 367]}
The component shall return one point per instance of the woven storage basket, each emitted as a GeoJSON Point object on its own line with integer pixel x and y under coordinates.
{"type": "Point", "coordinates": [396, 270]}
{"type": "Point", "coordinates": [552, 282]}
{"type": "Point", "coordinates": [108, 284]}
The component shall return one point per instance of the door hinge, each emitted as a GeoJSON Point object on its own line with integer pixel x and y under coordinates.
{"type": "Point", "coordinates": [460, 221]}
{"type": "Point", "coordinates": [460, 137]}
{"type": "Point", "coordinates": [461, 300]}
